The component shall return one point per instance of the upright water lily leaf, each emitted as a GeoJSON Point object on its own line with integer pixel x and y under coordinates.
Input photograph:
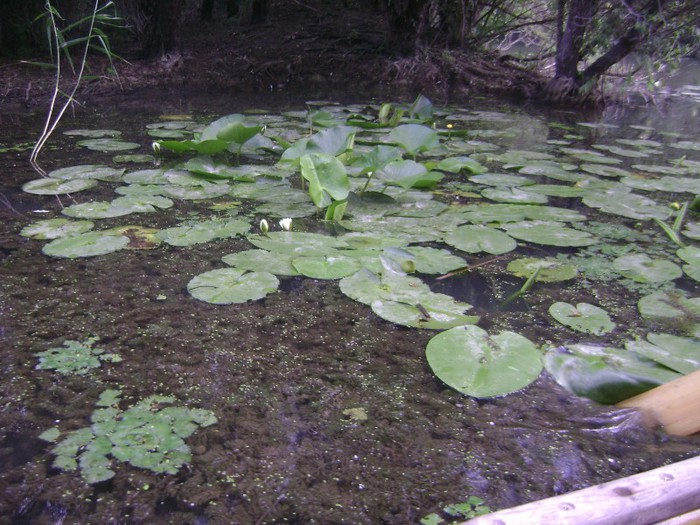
{"type": "Point", "coordinates": [477, 364]}
{"type": "Point", "coordinates": [642, 268]}
{"type": "Point", "coordinates": [374, 159]}
{"type": "Point", "coordinates": [681, 354]}
{"type": "Point", "coordinates": [421, 109]}
{"type": "Point", "coordinates": [328, 180]}
{"type": "Point", "coordinates": [238, 132]}
{"type": "Point", "coordinates": [87, 244]}
{"type": "Point", "coordinates": [414, 138]}
{"type": "Point", "coordinates": [606, 375]}
{"type": "Point", "coordinates": [583, 317]}
{"type": "Point", "coordinates": [231, 285]}
{"type": "Point", "coordinates": [477, 238]}
{"type": "Point", "coordinates": [407, 174]}
{"type": "Point", "coordinates": [457, 164]}
{"type": "Point", "coordinates": [55, 228]}
{"type": "Point", "coordinates": [211, 131]}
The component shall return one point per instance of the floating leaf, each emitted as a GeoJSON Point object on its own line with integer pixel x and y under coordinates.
{"type": "Point", "coordinates": [457, 164]}
{"type": "Point", "coordinates": [681, 354]}
{"type": "Point", "coordinates": [476, 238]}
{"type": "Point", "coordinates": [548, 270]}
{"type": "Point", "coordinates": [325, 267]}
{"type": "Point", "coordinates": [514, 195]}
{"type": "Point", "coordinates": [55, 228]}
{"type": "Point", "coordinates": [85, 245]}
{"type": "Point", "coordinates": [583, 317]}
{"type": "Point", "coordinates": [606, 375]}
{"type": "Point", "coordinates": [88, 171]}
{"type": "Point", "coordinates": [253, 260]}
{"type": "Point", "coordinates": [204, 231]}
{"type": "Point", "coordinates": [108, 144]}
{"type": "Point", "coordinates": [231, 285]}
{"type": "Point", "coordinates": [626, 204]}
{"type": "Point", "coordinates": [477, 364]}
{"type": "Point", "coordinates": [642, 268]}
{"type": "Point", "coordinates": [47, 186]}
{"type": "Point", "coordinates": [548, 233]}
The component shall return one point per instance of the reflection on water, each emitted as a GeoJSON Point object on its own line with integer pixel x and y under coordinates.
{"type": "Point", "coordinates": [287, 375]}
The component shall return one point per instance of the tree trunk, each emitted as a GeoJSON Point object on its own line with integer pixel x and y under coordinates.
{"type": "Point", "coordinates": [571, 42]}
{"type": "Point", "coordinates": [163, 31]}
{"type": "Point", "coordinates": [626, 43]}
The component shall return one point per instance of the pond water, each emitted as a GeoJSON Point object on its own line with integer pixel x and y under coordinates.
{"type": "Point", "coordinates": [326, 412]}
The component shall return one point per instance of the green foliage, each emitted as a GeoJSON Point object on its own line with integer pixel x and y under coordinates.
{"type": "Point", "coordinates": [75, 357]}
{"type": "Point", "coordinates": [148, 435]}
{"type": "Point", "coordinates": [472, 507]}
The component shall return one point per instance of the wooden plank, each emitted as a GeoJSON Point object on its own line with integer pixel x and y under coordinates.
{"type": "Point", "coordinates": [689, 518]}
{"type": "Point", "coordinates": [642, 499]}
{"type": "Point", "coordinates": [675, 405]}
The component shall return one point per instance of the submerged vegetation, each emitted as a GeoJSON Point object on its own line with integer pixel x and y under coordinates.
{"type": "Point", "coordinates": [394, 186]}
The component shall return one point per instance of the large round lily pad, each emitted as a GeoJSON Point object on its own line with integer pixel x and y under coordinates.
{"type": "Point", "coordinates": [549, 233]}
{"type": "Point", "coordinates": [55, 228]}
{"type": "Point", "coordinates": [642, 268]}
{"type": "Point", "coordinates": [48, 186]}
{"type": "Point", "coordinates": [477, 364]}
{"type": "Point", "coordinates": [681, 354]}
{"type": "Point", "coordinates": [477, 238]}
{"type": "Point", "coordinates": [549, 270]}
{"type": "Point", "coordinates": [231, 285]}
{"type": "Point", "coordinates": [85, 245]}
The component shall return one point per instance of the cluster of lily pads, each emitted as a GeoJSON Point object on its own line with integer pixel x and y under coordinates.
{"type": "Point", "coordinates": [149, 435]}
{"type": "Point", "coordinates": [400, 184]}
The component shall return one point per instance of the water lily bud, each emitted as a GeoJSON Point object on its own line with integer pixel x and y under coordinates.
{"type": "Point", "coordinates": [156, 148]}
{"type": "Point", "coordinates": [286, 224]}
{"type": "Point", "coordinates": [264, 226]}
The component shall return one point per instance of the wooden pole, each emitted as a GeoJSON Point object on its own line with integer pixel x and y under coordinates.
{"type": "Point", "coordinates": [642, 499]}
{"type": "Point", "coordinates": [675, 405]}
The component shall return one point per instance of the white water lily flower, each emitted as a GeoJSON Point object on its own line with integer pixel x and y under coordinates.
{"type": "Point", "coordinates": [286, 224]}
{"type": "Point", "coordinates": [264, 226]}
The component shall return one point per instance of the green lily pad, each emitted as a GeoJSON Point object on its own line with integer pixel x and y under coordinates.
{"type": "Point", "coordinates": [328, 179]}
{"type": "Point", "coordinates": [253, 260]}
{"type": "Point", "coordinates": [325, 266]}
{"type": "Point", "coordinates": [47, 186]}
{"type": "Point", "coordinates": [500, 179]}
{"type": "Point", "coordinates": [642, 268]}
{"type": "Point", "coordinates": [231, 285]}
{"type": "Point", "coordinates": [88, 171]}
{"type": "Point", "coordinates": [681, 354]}
{"type": "Point", "coordinates": [548, 270]}
{"type": "Point", "coordinates": [55, 228]}
{"type": "Point", "coordinates": [583, 317]}
{"type": "Point", "coordinates": [626, 204]}
{"type": "Point", "coordinates": [457, 164]}
{"type": "Point", "coordinates": [477, 238]}
{"type": "Point", "coordinates": [202, 232]}
{"type": "Point", "coordinates": [434, 312]}
{"type": "Point", "coordinates": [407, 174]}
{"type": "Point", "coordinates": [201, 192]}
{"type": "Point", "coordinates": [434, 260]}
{"type": "Point", "coordinates": [93, 133]}
{"type": "Point", "coordinates": [106, 144]}
{"type": "Point", "coordinates": [87, 244]}
{"type": "Point", "coordinates": [691, 256]}
{"type": "Point", "coordinates": [604, 170]}
{"type": "Point", "coordinates": [298, 243]}
{"type": "Point", "coordinates": [514, 195]}
{"type": "Point", "coordinates": [477, 364]}
{"type": "Point", "coordinates": [672, 308]}
{"type": "Point", "coordinates": [548, 233]}
{"type": "Point", "coordinates": [604, 374]}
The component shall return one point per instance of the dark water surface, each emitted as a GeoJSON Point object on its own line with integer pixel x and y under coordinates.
{"type": "Point", "coordinates": [279, 373]}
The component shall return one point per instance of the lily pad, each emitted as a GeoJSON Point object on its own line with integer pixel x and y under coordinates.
{"type": "Point", "coordinates": [414, 138]}
{"type": "Point", "coordinates": [477, 238]}
{"type": "Point", "coordinates": [514, 195]}
{"type": "Point", "coordinates": [325, 267]}
{"type": "Point", "coordinates": [231, 285]}
{"type": "Point", "coordinates": [642, 268]}
{"type": "Point", "coordinates": [48, 186]}
{"type": "Point", "coordinates": [87, 244]}
{"type": "Point", "coordinates": [106, 144]}
{"type": "Point", "coordinates": [253, 260]}
{"type": "Point", "coordinates": [548, 233]}
{"type": "Point", "coordinates": [626, 204]}
{"type": "Point", "coordinates": [477, 364]}
{"type": "Point", "coordinates": [681, 354]}
{"type": "Point", "coordinates": [583, 317]}
{"type": "Point", "coordinates": [55, 228]}
{"type": "Point", "coordinates": [604, 374]}
{"type": "Point", "coordinates": [548, 270]}
{"type": "Point", "coordinates": [88, 171]}
{"type": "Point", "coordinates": [202, 232]}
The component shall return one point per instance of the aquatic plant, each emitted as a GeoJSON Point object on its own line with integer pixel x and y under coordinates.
{"type": "Point", "coordinates": [148, 435]}
{"type": "Point", "coordinates": [75, 357]}
{"type": "Point", "coordinates": [472, 507]}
